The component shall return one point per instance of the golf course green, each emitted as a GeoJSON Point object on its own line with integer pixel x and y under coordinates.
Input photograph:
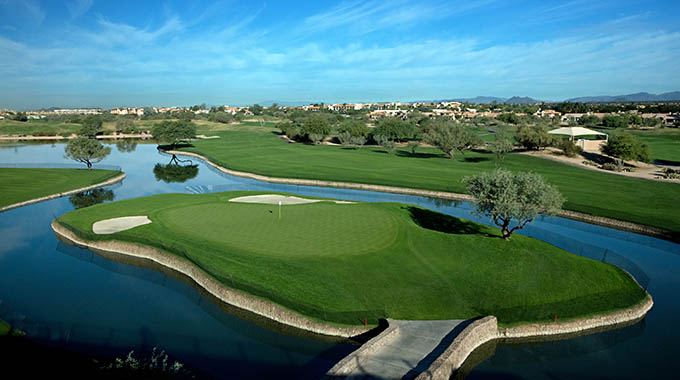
{"type": "Point", "coordinates": [342, 263]}
{"type": "Point", "coordinates": [22, 184]}
{"type": "Point", "coordinates": [261, 151]}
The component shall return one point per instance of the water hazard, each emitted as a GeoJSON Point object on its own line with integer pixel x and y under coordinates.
{"type": "Point", "coordinates": [70, 297]}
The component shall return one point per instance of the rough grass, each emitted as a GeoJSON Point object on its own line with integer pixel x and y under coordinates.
{"type": "Point", "coordinates": [261, 151]}
{"type": "Point", "coordinates": [20, 184]}
{"type": "Point", "coordinates": [13, 128]}
{"type": "Point", "coordinates": [664, 143]}
{"type": "Point", "coordinates": [344, 263]}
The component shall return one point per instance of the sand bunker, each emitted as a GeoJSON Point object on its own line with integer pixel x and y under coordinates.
{"type": "Point", "coordinates": [274, 199]}
{"type": "Point", "coordinates": [111, 226]}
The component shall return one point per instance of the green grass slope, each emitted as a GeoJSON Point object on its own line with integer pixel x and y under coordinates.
{"type": "Point", "coordinates": [342, 263]}
{"type": "Point", "coordinates": [20, 184]}
{"type": "Point", "coordinates": [601, 194]}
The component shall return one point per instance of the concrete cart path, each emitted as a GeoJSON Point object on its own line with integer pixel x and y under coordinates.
{"type": "Point", "coordinates": [416, 345]}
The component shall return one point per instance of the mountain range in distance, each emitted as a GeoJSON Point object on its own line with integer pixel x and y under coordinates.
{"type": "Point", "coordinates": [637, 97]}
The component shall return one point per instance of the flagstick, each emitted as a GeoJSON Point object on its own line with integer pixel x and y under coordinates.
{"type": "Point", "coordinates": [279, 209]}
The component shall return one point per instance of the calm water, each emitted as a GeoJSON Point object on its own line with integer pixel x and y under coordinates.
{"type": "Point", "coordinates": [73, 298]}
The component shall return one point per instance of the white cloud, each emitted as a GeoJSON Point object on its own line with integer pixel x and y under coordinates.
{"type": "Point", "coordinates": [78, 7]}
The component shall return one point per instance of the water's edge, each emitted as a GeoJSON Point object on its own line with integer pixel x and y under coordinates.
{"type": "Point", "coordinates": [110, 181]}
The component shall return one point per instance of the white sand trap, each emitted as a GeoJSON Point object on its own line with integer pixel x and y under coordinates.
{"type": "Point", "coordinates": [274, 199]}
{"type": "Point", "coordinates": [111, 226]}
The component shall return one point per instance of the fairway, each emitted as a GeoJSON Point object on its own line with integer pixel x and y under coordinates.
{"type": "Point", "coordinates": [263, 152]}
{"type": "Point", "coordinates": [342, 263]}
{"type": "Point", "coordinates": [21, 184]}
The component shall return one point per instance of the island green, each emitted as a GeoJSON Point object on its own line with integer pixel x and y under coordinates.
{"type": "Point", "coordinates": [342, 263]}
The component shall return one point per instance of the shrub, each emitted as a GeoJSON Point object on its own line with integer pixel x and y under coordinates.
{"type": "Point", "coordinates": [395, 129]}
{"type": "Point", "coordinates": [316, 138]}
{"type": "Point", "coordinates": [590, 163]}
{"type": "Point", "coordinates": [569, 148]}
{"type": "Point", "coordinates": [44, 133]}
{"type": "Point", "coordinates": [669, 173]}
{"type": "Point", "coordinates": [358, 140]}
{"type": "Point", "coordinates": [627, 147]}
{"type": "Point", "coordinates": [390, 146]}
{"type": "Point", "coordinates": [613, 166]}
{"type": "Point", "coordinates": [288, 129]}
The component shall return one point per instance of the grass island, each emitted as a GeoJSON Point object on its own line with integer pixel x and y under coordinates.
{"type": "Point", "coordinates": [344, 262]}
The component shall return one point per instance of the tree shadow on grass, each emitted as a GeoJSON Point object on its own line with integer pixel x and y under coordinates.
{"type": "Point", "coordinates": [476, 159]}
{"type": "Point", "coordinates": [403, 153]}
{"type": "Point", "coordinates": [445, 223]}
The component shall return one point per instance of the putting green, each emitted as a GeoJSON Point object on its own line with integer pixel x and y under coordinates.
{"type": "Point", "coordinates": [343, 263]}
{"type": "Point", "coordinates": [316, 229]}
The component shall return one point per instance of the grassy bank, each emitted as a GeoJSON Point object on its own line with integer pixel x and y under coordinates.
{"type": "Point", "coordinates": [4, 328]}
{"type": "Point", "coordinates": [20, 184]}
{"type": "Point", "coordinates": [261, 151]}
{"type": "Point", "coordinates": [344, 263]}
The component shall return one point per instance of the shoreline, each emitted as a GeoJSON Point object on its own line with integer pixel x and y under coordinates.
{"type": "Point", "coordinates": [285, 316]}
{"type": "Point", "coordinates": [109, 181]}
{"type": "Point", "coordinates": [227, 295]}
{"type": "Point", "coordinates": [574, 215]}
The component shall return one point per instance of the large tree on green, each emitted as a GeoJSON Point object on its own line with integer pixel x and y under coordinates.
{"type": "Point", "coordinates": [86, 150]}
{"type": "Point", "coordinates": [501, 146]}
{"type": "Point", "coordinates": [506, 196]}
{"type": "Point", "coordinates": [173, 132]}
{"type": "Point", "coordinates": [626, 147]}
{"type": "Point", "coordinates": [449, 137]}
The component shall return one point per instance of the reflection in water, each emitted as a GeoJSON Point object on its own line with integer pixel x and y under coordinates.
{"type": "Point", "coordinates": [91, 197]}
{"type": "Point", "coordinates": [174, 172]}
{"type": "Point", "coordinates": [126, 145]}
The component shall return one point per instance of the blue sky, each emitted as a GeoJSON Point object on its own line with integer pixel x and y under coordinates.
{"type": "Point", "coordinates": [98, 53]}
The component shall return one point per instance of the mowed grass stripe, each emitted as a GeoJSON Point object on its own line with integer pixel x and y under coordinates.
{"type": "Point", "coordinates": [462, 271]}
{"type": "Point", "coordinates": [21, 184]}
{"type": "Point", "coordinates": [601, 194]}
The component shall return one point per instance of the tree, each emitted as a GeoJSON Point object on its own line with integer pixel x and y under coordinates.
{"type": "Point", "coordinates": [501, 146]}
{"type": "Point", "coordinates": [86, 150]}
{"type": "Point", "coordinates": [589, 120]}
{"type": "Point", "coordinates": [533, 137]}
{"type": "Point", "coordinates": [173, 132]}
{"type": "Point", "coordinates": [315, 128]}
{"type": "Point", "coordinates": [509, 118]}
{"type": "Point", "coordinates": [256, 109]}
{"type": "Point", "coordinates": [449, 137]}
{"type": "Point", "coordinates": [220, 117]}
{"type": "Point", "coordinates": [125, 125]}
{"type": "Point", "coordinates": [625, 146]}
{"type": "Point", "coordinates": [355, 128]}
{"type": "Point", "coordinates": [507, 196]}
{"type": "Point", "coordinates": [612, 121]}
{"type": "Point", "coordinates": [20, 116]}
{"type": "Point", "coordinates": [90, 126]}
{"type": "Point", "coordinates": [395, 129]}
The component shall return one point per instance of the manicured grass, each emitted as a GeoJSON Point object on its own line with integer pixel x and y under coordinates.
{"type": "Point", "coordinates": [601, 194]}
{"type": "Point", "coordinates": [344, 263]}
{"type": "Point", "coordinates": [19, 184]}
{"type": "Point", "coordinates": [664, 143]}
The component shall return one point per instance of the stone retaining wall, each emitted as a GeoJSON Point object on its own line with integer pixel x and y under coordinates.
{"type": "Point", "coordinates": [633, 313]}
{"type": "Point", "coordinates": [473, 336]}
{"type": "Point", "coordinates": [486, 329]}
{"type": "Point", "coordinates": [600, 220]}
{"type": "Point", "coordinates": [348, 364]}
{"type": "Point", "coordinates": [59, 195]}
{"type": "Point", "coordinates": [231, 296]}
